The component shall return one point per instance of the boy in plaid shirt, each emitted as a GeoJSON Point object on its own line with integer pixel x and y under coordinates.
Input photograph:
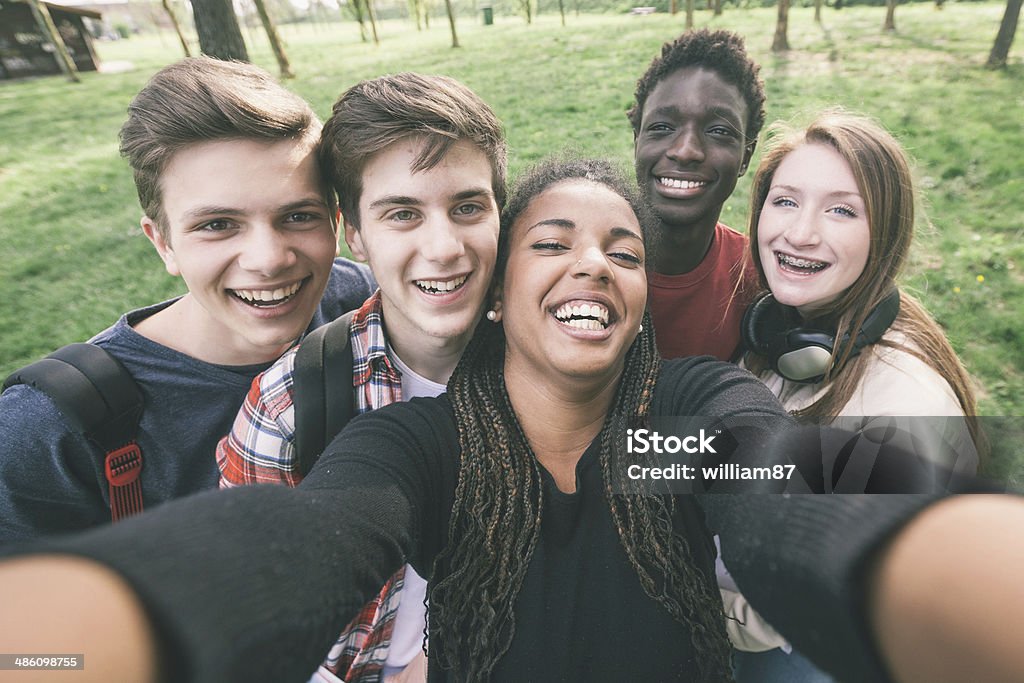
{"type": "Point", "coordinates": [418, 163]}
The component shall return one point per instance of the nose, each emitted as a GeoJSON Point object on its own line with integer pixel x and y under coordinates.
{"type": "Point", "coordinates": [687, 147]}
{"type": "Point", "coordinates": [802, 229]}
{"type": "Point", "coordinates": [266, 251]}
{"type": "Point", "coordinates": [593, 263]}
{"type": "Point", "coordinates": [442, 242]}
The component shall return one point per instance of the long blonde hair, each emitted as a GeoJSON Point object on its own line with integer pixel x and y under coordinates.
{"type": "Point", "coordinates": [882, 171]}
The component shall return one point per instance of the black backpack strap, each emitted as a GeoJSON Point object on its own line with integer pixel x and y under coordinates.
{"type": "Point", "coordinates": [101, 401]}
{"type": "Point", "coordinates": [322, 389]}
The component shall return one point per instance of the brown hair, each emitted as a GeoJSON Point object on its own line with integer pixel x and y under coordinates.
{"type": "Point", "coordinates": [203, 100]}
{"type": "Point", "coordinates": [376, 113]}
{"type": "Point", "coordinates": [496, 516]}
{"type": "Point", "coordinates": [882, 172]}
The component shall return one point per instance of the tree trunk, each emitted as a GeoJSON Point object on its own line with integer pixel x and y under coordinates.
{"type": "Point", "coordinates": [49, 29]}
{"type": "Point", "coordinates": [890, 16]}
{"type": "Point", "coordinates": [561, 10]}
{"type": "Point", "coordinates": [718, 8]}
{"type": "Point", "coordinates": [1004, 39]}
{"type": "Point", "coordinates": [275, 40]}
{"type": "Point", "coordinates": [781, 42]}
{"type": "Point", "coordinates": [177, 27]}
{"type": "Point", "coordinates": [451, 22]}
{"type": "Point", "coordinates": [373, 21]}
{"type": "Point", "coordinates": [357, 11]}
{"type": "Point", "coordinates": [817, 11]}
{"type": "Point", "coordinates": [414, 10]}
{"type": "Point", "coordinates": [689, 14]}
{"type": "Point", "coordinates": [218, 31]}
{"type": "Point", "coordinates": [672, 7]}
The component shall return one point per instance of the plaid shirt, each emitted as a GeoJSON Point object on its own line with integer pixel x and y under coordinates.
{"type": "Point", "coordinates": [260, 449]}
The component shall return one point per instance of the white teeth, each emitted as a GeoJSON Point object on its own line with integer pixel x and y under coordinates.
{"type": "Point", "coordinates": [795, 262]}
{"type": "Point", "coordinates": [267, 295]}
{"type": "Point", "coordinates": [588, 316]}
{"type": "Point", "coordinates": [681, 184]}
{"type": "Point", "coordinates": [439, 286]}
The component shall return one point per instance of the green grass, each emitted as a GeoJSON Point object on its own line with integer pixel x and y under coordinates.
{"type": "Point", "coordinates": [73, 257]}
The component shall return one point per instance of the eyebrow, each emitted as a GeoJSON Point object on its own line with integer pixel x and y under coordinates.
{"type": "Point", "coordinates": [833, 193]}
{"type": "Point", "coordinates": [404, 200]}
{"type": "Point", "coordinates": [720, 112]}
{"type": "Point", "coordinates": [214, 210]}
{"type": "Point", "coordinates": [567, 224]}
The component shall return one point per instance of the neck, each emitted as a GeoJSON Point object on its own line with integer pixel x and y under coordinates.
{"type": "Point", "coordinates": [206, 340]}
{"type": "Point", "coordinates": [433, 358]}
{"type": "Point", "coordinates": [681, 249]}
{"type": "Point", "coordinates": [560, 418]}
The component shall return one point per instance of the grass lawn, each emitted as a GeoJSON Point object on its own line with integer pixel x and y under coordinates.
{"type": "Point", "coordinates": [73, 257]}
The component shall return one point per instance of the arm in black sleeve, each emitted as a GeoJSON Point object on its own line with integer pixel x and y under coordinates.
{"type": "Point", "coordinates": [254, 583]}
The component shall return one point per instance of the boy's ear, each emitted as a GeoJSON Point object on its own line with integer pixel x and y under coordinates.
{"type": "Point", "coordinates": [161, 244]}
{"type": "Point", "coordinates": [354, 240]}
{"type": "Point", "coordinates": [748, 153]}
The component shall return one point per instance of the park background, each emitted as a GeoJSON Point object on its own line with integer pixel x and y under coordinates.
{"type": "Point", "coordinates": [72, 256]}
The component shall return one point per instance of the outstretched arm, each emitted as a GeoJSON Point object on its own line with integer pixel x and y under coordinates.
{"type": "Point", "coordinates": [947, 591]}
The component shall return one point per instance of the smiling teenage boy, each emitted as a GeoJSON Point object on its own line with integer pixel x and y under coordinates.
{"type": "Point", "coordinates": [698, 111]}
{"type": "Point", "coordinates": [225, 164]}
{"type": "Point", "coordinates": [418, 163]}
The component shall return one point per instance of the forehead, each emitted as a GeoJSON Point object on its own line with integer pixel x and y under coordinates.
{"type": "Point", "coordinates": [588, 205]}
{"type": "Point", "coordinates": [389, 172]}
{"type": "Point", "coordinates": [696, 89]}
{"type": "Point", "coordinates": [815, 166]}
{"type": "Point", "coordinates": [243, 175]}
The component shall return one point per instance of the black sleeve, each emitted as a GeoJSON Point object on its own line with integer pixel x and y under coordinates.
{"type": "Point", "coordinates": [802, 561]}
{"type": "Point", "coordinates": [255, 583]}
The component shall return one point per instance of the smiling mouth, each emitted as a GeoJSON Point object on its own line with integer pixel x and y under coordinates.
{"type": "Point", "coordinates": [441, 286]}
{"type": "Point", "coordinates": [677, 184]}
{"type": "Point", "coordinates": [268, 298]}
{"type": "Point", "coordinates": [588, 316]}
{"type": "Point", "coordinates": [801, 266]}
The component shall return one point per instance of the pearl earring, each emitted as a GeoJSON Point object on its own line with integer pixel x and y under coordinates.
{"type": "Point", "coordinates": [492, 315]}
{"type": "Point", "coordinates": [640, 330]}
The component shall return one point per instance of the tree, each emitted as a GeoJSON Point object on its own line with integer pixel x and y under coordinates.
{"type": "Point", "coordinates": [1004, 39]}
{"type": "Point", "coordinates": [561, 10]}
{"type": "Point", "coordinates": [718, 8]}
{"type": "Point", "coordinates": [817, 11]}
{"type": "Point", "coordinates": [275, 40]}
{"type": "Point", "coordinates": [451, 22]}
{"type": "Point", "coordinates": [781, 42]}
{"type": "Point", "coordinates": [357, 10]}
{"type": "Point", "coordinates": [689, 14]}
{"type": "Point", "coordinates": [218, 31]}
{"type": "Point", "coordinates": [373, 20]}
{"type": "Point", "coordinates": [177, 27]}
{"type": "Point", "coordinates": [49, 29]}
{"type": "Point", "coordinates": [527, 6]}
{"type": "Point", "coordinates": [890, 16]}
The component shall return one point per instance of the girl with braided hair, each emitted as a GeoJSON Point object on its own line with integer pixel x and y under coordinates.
{"type": "Point", "coordinates": [502, 494]}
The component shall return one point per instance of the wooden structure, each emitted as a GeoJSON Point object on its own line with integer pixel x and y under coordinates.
{"type": "Point", "coordinates": [26, 51]}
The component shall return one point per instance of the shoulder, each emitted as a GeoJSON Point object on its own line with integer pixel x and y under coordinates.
{"type": "Point", "coordinates": [706, 386]}
{"type": "Point", "coordinates": [349, 286]}
{"type": "Point", "coordinates": [352, 280]}
{"type": "Point", "coordinates": [898, 382]}
{"type": "Point", "coordinates": [732, 239]}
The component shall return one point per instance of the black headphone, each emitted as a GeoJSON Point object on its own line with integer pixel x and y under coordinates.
{"type": "Point", "coordinates": [802, 354]}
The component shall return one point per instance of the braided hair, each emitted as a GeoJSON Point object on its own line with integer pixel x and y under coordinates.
{"type": "Point", "coordinates": [496, 517]}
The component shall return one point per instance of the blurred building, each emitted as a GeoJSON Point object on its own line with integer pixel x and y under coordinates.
{"type": "Point", "coordinates": [26, 50]}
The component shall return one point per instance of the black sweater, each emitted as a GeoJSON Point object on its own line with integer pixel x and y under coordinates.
{"type": "Point", "coordinates": [254, 584]}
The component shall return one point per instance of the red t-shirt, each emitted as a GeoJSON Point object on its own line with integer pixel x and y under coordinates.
{"type": "Point", "coordinates": [699, 313]}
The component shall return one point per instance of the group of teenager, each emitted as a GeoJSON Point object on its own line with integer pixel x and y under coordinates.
{"type": "Point", "coordinates": [478, 535]}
